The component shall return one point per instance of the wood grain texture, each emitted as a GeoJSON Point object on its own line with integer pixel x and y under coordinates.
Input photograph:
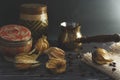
{"type": "Point", "coordinates": [76, 71]}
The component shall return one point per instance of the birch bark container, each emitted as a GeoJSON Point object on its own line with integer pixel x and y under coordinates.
{"type": "Point", "coordinates": [14, 39]}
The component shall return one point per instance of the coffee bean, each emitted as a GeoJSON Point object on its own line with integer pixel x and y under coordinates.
{"type": "Point", "coordinates": [114, 65]}
{"type": "Point", "coordinates": [110, 64]}
{"type": "Point", "coordinates": [113, 69]}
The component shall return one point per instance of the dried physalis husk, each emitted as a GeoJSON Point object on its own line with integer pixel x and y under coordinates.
{"type": "Point", "coordinates": [42, 44]}
{"type": "Point", "coordinates": [54, 52]}
{"type": "Point", "coordinates": [101, 56]}
{"type": "Point", "coordinates": [56, 65]}
{"type": "Point", "coordinates": [25, 61]}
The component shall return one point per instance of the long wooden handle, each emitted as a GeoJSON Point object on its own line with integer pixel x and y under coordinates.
{"type": "Point", "coordinates": [99, 38]}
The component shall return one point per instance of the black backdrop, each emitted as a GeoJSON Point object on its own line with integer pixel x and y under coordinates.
{"type": "Point", "coordinates": [95, 16]}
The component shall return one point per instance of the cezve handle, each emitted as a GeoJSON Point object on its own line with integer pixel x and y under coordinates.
{"type": "Point", "coordinates": [99, 38]}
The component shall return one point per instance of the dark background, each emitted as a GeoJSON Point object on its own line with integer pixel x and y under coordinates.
{"type": "Point", "coordinates": [95, 16]}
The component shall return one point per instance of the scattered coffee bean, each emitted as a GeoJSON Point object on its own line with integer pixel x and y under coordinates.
{"type": "Point", "coordinates": [114, 63]}
{"type": "Point", "coordinates": [110, 64]}
{"type": "Point", "coordinates": [113, 69]}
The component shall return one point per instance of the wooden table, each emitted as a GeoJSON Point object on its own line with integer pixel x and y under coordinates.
{"type": "Point", "coordinates": [76, 71]}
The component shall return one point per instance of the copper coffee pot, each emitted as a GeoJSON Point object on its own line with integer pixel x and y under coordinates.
{"type": "Point", "coordinates": [70, 31]}
{"type": "Point", "coordinates": [71, 37]}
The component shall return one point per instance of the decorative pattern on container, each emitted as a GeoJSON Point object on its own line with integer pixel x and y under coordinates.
{"type": "Point", "coordinates": [34, 16]}
{"type": "Point", "coordinates": [14, 39]}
